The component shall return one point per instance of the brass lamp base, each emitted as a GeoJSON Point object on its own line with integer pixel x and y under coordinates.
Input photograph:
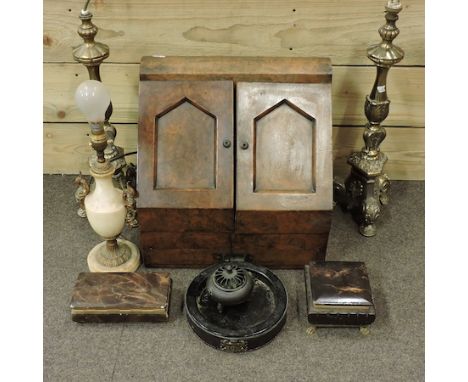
{"type": "Point", "coordinates": [125, 257]}
{"type": "Point", "coordinates": [364, 191]}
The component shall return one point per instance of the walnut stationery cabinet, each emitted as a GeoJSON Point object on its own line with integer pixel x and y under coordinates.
{"type": "Point", "coordinates": [234, 157]}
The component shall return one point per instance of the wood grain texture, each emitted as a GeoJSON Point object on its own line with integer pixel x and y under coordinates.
{"type": "Point", "coordinates": [197, 249]}
{"type": "Point", "coordinates": [281, 251]}
{"type": "Point", "coordinates": [182, 127]}
{"type": "Point", "coordinates": [185, 220]}
{"type": "Point", "coordinates": [180, 257]}
{"type": "Point", "coordinates": [216, 241]}
{"type": "Point", "coordinates": [66, 148]}
{"type": "Point", "coordinates": [287, 165]}
{"type": "Point", "coordinates": [276, 146]}
{"type": "Point", "coordinates": [350, 85]}
{"type": "Point", "coordinates": [237, 69]}
{"type": "Point", "coordinates": [329, 28]}
{"type": "Point", "coordinates": [274, 222]}
{"type": "Point", "coordinates": [185, 149]}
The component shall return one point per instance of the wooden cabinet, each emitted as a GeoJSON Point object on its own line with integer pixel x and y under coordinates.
{"type": "Point", "coordinates": [234, 156]}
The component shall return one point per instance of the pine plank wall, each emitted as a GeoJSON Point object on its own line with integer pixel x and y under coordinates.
{"type": "Point", "coordinates": [338, 29]}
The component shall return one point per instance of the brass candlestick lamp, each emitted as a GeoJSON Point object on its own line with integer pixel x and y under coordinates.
{"type": "Point", "coordinates": [106, 206]}
{"type": "Point", "coordinates": [91, 54]}
{"type": "Point", "coordinates": [367, 186]}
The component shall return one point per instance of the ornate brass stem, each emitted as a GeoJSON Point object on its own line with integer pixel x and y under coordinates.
{"type": "Point", "coordinates": [366, 188]}
{"type": "Point", "coordinates": [113, 254]}
{"type": "Point", "coordinates": [99, 144]}
{"type": "Point", "coordinates": [91, 54]}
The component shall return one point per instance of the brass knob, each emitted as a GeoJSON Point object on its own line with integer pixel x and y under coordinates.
{"type": "Point", "coordinates": [244, 146]}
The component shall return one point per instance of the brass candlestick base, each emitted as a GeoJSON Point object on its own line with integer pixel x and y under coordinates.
{"type": "Point", "coordinates": [365, 189]}
{"type": "Point", "coordinates": [367, 186]}
{"type": "Point", "coordinates": [117, 255]}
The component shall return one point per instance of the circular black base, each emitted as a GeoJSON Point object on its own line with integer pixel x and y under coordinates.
{"type": "Point", "coordinates": [242, 327]}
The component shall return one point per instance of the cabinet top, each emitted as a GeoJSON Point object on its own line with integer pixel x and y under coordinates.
{"type": "Point", "coordinates": [247, 69]}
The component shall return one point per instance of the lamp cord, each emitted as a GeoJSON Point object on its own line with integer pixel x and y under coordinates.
{"type": "Point", "coordinates": [123, 155]}
{"type": "Point", "coordinates": [85, 8]}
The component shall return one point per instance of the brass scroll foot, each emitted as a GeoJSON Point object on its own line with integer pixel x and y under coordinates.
{"type": "Point", "coordinates": [364, 191]}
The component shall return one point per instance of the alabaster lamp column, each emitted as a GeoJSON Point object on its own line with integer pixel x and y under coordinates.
{"type": "Point", "coordinates": [105, 205]}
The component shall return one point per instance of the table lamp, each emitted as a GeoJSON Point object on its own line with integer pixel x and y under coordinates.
{"type": "Point", "coordinates": [91, 54]}
{"type": "Point", "coordinates": [105, 205]}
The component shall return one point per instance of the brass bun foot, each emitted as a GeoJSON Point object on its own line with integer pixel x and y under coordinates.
{"type": "Point", "coordinates": [365, 331]}
{"type": "Point", "coordinates": [126, 257]}
{"type": "Point", "coordinates": [311, 330]}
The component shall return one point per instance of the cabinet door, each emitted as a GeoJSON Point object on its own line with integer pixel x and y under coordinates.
{"type": "Point", "coordinates": [182, 161]}
{"type": "Point", "coordinates": [284, 146]}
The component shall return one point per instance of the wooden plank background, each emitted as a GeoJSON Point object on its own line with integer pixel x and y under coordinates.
{"type": "Point", "coordinates": [339, 29]}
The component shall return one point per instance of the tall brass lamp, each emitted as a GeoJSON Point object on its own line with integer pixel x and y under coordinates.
{"type": "Point", "coordinates": [367, 186]}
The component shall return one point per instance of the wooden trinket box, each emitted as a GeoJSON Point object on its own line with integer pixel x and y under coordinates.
{"type": "Point", "coordinates": [338, 294]}
{"type": "Point", "coordinates": [234, 157]}
{"type": "Point", "coordinates": [121, 297]}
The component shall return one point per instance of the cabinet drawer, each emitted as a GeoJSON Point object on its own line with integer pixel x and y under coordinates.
{"type": "Point", "coordinates": [283, 221]}
{"type": "Point", "coordinates": [185, 220]}
{"type": "Point", "coordinates": [281, 250]}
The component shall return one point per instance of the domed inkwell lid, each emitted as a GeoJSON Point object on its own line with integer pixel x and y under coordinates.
{"type": "Point", "coordinates": [236, 306]}
{"type": "Point", "coordinates": [229, 284]}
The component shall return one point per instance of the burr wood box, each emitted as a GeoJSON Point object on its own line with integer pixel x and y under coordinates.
{"type": "Point", "coordinates": [121, 297]}
{"type": "Point", "coordinates": [338, 294]}
{"type": "Point", "coordinates": [234, 157]}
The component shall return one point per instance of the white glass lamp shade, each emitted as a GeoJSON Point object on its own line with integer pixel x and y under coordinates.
{"type": "Point", "coordinates": [93, 99]}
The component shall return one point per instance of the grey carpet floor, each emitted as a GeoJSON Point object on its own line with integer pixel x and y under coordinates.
{"type": "Point", "coordinates": [393, 351]}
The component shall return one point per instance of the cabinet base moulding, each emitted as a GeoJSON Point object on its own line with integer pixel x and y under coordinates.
{"type": "Point", "coordinates": [276, 239]}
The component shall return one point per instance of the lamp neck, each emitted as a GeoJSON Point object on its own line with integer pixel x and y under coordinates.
{"type": "Point", "coordinates": [99, 144]}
